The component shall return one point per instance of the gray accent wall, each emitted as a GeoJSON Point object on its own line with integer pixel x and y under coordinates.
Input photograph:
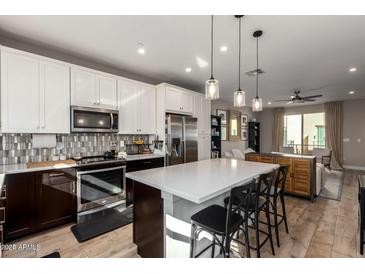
{"type": "Point", "coordinates": [221, 104]}
{"type": "Point", "coordinates": [354, 134]}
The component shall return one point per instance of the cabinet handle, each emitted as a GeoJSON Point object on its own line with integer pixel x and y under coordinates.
{"type": "Point", "coordinates": [3, 220]}
{"type": "Point", "coordinates": [74, 187]}
{"type": "Point", "coordinates": [147, 162]}
{"type": "Point", "coordinates": [3, 193]}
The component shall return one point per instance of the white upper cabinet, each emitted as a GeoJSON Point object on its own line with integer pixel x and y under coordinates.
{"type": "Point", "coordinates": [35, 94]}
{"type": "Point", "coordinates": [19, 93]}
{"type": "Point", "coordinates": [202, 111]}
{"type": "Point", "coordinates": [55, 98]}
{"type": "Point", "coordinates": [178, 100]}
{"type": "Point", "coordinates": [107, 91]}
{"type": "Point", "coordinates": [92, 89]}
{"type": "Point", "coordinates": [147, 109]}
{"type": "Point", "coordinates": [137, 107]}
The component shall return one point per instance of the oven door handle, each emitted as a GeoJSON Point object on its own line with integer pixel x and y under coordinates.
{"type": "Point", "coordinates": [100, 170]}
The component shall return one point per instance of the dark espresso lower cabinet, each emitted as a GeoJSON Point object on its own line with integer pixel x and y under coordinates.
{"type": "Point", "coordinates": [137, 165]}
{"type": "Point", "coordinates": [20, 207]}
{"type": "Point", "coordinates": [56, 198]}
{"type": "Point", "coordinates": [38, 200]}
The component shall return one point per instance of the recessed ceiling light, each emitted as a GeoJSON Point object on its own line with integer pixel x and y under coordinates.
{"type": "Point", "coordinates": [351, 92]}
{"type": "Point", "coordinates": [188, 69]}
{"type": "Point", "coordinates": [141, 49]}
{"type": "Point", "coordinates": [269, 103]}
{"type": "Point", "coordinates": [224, 48]}
{"type": "Point", "coordinates": [353, 69]}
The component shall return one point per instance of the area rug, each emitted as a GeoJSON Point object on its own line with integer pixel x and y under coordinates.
{"type": "Point", "coordinates": [332, 188]}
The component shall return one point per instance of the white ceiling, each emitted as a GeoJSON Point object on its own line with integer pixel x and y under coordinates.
{"type": "Point", "coordinates": [296, 52]}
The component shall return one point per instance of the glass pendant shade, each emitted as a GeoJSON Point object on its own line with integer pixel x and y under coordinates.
{"type": "Point", "coordinates": [239, 98]}
{"type": "Point", "coordinates": [212, 89]}
{"type": "Point", "coordinates": [257, 104]}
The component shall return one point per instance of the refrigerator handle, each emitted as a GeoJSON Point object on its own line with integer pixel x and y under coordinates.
{"type": "Point", "coordinates": [183, 139]}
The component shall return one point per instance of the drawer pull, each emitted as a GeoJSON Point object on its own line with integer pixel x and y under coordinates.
{"type": "Point", "coordinates": [3, 193]}
{"type": "Point", "coordinates": [147, 162]}
{"type": "Point", "coordinates": [56, 174]}
{"type": "Point", "coordinates": [2, 218]}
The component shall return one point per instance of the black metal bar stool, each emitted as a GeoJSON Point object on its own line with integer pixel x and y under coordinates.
{"type": "Point", "coordinates": [278, 192]}
{"type": "Point", "coordinates": [222, 223]}
{"type": "Point", "coordinates": [261, 203]}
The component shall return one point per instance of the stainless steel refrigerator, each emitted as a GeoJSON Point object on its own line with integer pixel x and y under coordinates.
{"type": "Point", "coordinates": [181, 139]}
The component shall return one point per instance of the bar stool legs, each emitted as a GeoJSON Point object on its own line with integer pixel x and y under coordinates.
{"type": "Point", "coordinates": [284, 212]}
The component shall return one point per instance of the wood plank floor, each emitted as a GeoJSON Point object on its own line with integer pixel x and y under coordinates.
{"type": "Point", "coordinates": [324, 228]}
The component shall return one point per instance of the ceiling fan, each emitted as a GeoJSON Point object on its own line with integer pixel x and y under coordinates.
{"type": "Point", "coordinates": [297, 99]}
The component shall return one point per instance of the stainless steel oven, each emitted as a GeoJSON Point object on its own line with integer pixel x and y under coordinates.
{"type": "Point", "coordinates": [85, 119]}
{"type": "Point", "coordinates": [100, 185]}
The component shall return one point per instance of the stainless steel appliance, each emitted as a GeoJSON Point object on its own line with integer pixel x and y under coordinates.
{"type": "Point", "coordinates": [101, 184]}
{"type": "Point", "coordinates": [85, 119]}
{"type": "Point", "coordinates": [181, 139]}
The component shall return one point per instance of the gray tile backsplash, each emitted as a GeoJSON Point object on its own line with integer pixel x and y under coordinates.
{"type": "Point", "coordinates": [17, 148]}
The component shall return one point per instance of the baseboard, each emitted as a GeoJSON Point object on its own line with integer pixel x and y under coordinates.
{"type": "Point", "coordinates": [354, 167]}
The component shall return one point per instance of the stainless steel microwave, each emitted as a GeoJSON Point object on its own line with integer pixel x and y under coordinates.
{"type": "Point", "coordinates": [85, 119]}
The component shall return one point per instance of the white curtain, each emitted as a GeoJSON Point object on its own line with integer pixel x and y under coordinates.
{"type": "Point", "coordinates": [277, 129]}
{"type": "Point", "coordinates": [333, 128]}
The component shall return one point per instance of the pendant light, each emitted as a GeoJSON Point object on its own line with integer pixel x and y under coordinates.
{"type": "Point", "coordinates": [211, 85]}
{"type": "Point", "coordinates": [239, 97]}
{"type": "Point", "coordinates": [257, 101]}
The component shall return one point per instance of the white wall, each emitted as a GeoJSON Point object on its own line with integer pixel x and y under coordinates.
{"type": "Point", "coordinates": [354, 133]}
{"type": "Point", "coordinates": [221, 104]}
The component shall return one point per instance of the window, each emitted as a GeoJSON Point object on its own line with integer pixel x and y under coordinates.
{"type": "Point", "coordinates": [304, 132]}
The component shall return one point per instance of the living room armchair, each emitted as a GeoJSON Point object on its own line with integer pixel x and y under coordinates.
{"type": "Point", "coordinates": [323, 155]}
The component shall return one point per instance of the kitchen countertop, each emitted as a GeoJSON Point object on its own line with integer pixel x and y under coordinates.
{"type": "Point", "coordinates": [284, 155]}
{"type": "Point", "coordinates": [21, 168]}
{"type": "Point", "coordinates": [202, 180]}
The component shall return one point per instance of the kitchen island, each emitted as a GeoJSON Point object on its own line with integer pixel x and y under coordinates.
{"type": "Point", "coordinates": [165, 198]}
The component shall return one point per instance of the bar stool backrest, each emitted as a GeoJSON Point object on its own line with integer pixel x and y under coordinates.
{"type": "Point", "coordinates": [263, 186]}
{"type": "Point", "coordinates": [239, 200]}
{"type": "Point", "coordinates": [281, 179]}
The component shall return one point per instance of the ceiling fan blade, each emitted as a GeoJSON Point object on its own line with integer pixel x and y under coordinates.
{"type": "Point", "coordinates": [313, 96]}
{"type": "Point", "coordinates": [308, 100]}
{"type": "Point", "coordinates": [282, 100]}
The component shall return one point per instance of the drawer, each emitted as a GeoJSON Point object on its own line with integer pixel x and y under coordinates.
{"type": "Point", "coordinates": [266, 159]}
{"type": "Point", "coordinates": [2, 215]}
{"type": "Point", "coordinates": [253, 158]}
{"type": "Point", "coordinates": [144, 164]}
{"type": "Point", "coordinates": [3, 193]}
{"type": "Point", "coordinates": [57, 177]}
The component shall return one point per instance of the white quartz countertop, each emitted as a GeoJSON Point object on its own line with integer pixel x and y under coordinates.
{"type": "Point", "coordinates": [20, 168]}
{"type": "Point", "coordinates": [202, 180]}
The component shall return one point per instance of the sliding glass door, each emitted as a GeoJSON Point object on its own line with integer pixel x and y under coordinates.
{"type": "Point", "coordinates": [303, 132]}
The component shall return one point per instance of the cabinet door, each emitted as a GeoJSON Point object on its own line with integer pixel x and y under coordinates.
{"type": "Point", "coordinates": [186, 102]}
{"type": "Point", "coordinates": [301, 177]}
{"type": "Point", "coordinates": [147, 109]}
{"type": "Point", "coordinates": [173, 99]}
{"type": "Point", "coordinates": [84, 90]}
{"type": "Point", "coordinates": [56, 200]}
{"type": "Point", "coordinates": [287, 162]}
{"type": "Point", "coordinates": [20, 206]}
{"type": "Point", "coordinates": [202, 112]}
{"type": "Point", "coordinates": [129, 99]}
{"type": "Point", "coordinates": [20, 87]}
{"type": "Point", "coordinates": [107, 89]}
{"type": "Point", "coordinates": [55, 98]}
{"type": "Point", "coordinates": [204, 144]}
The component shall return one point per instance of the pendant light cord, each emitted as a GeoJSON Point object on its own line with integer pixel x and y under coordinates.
{"type": "Point", "coordinates": [257, 66]}
{"type": "Point", "coordinates": [211, 49]}
{"type": "Point", "coordinates": [239, 55]}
